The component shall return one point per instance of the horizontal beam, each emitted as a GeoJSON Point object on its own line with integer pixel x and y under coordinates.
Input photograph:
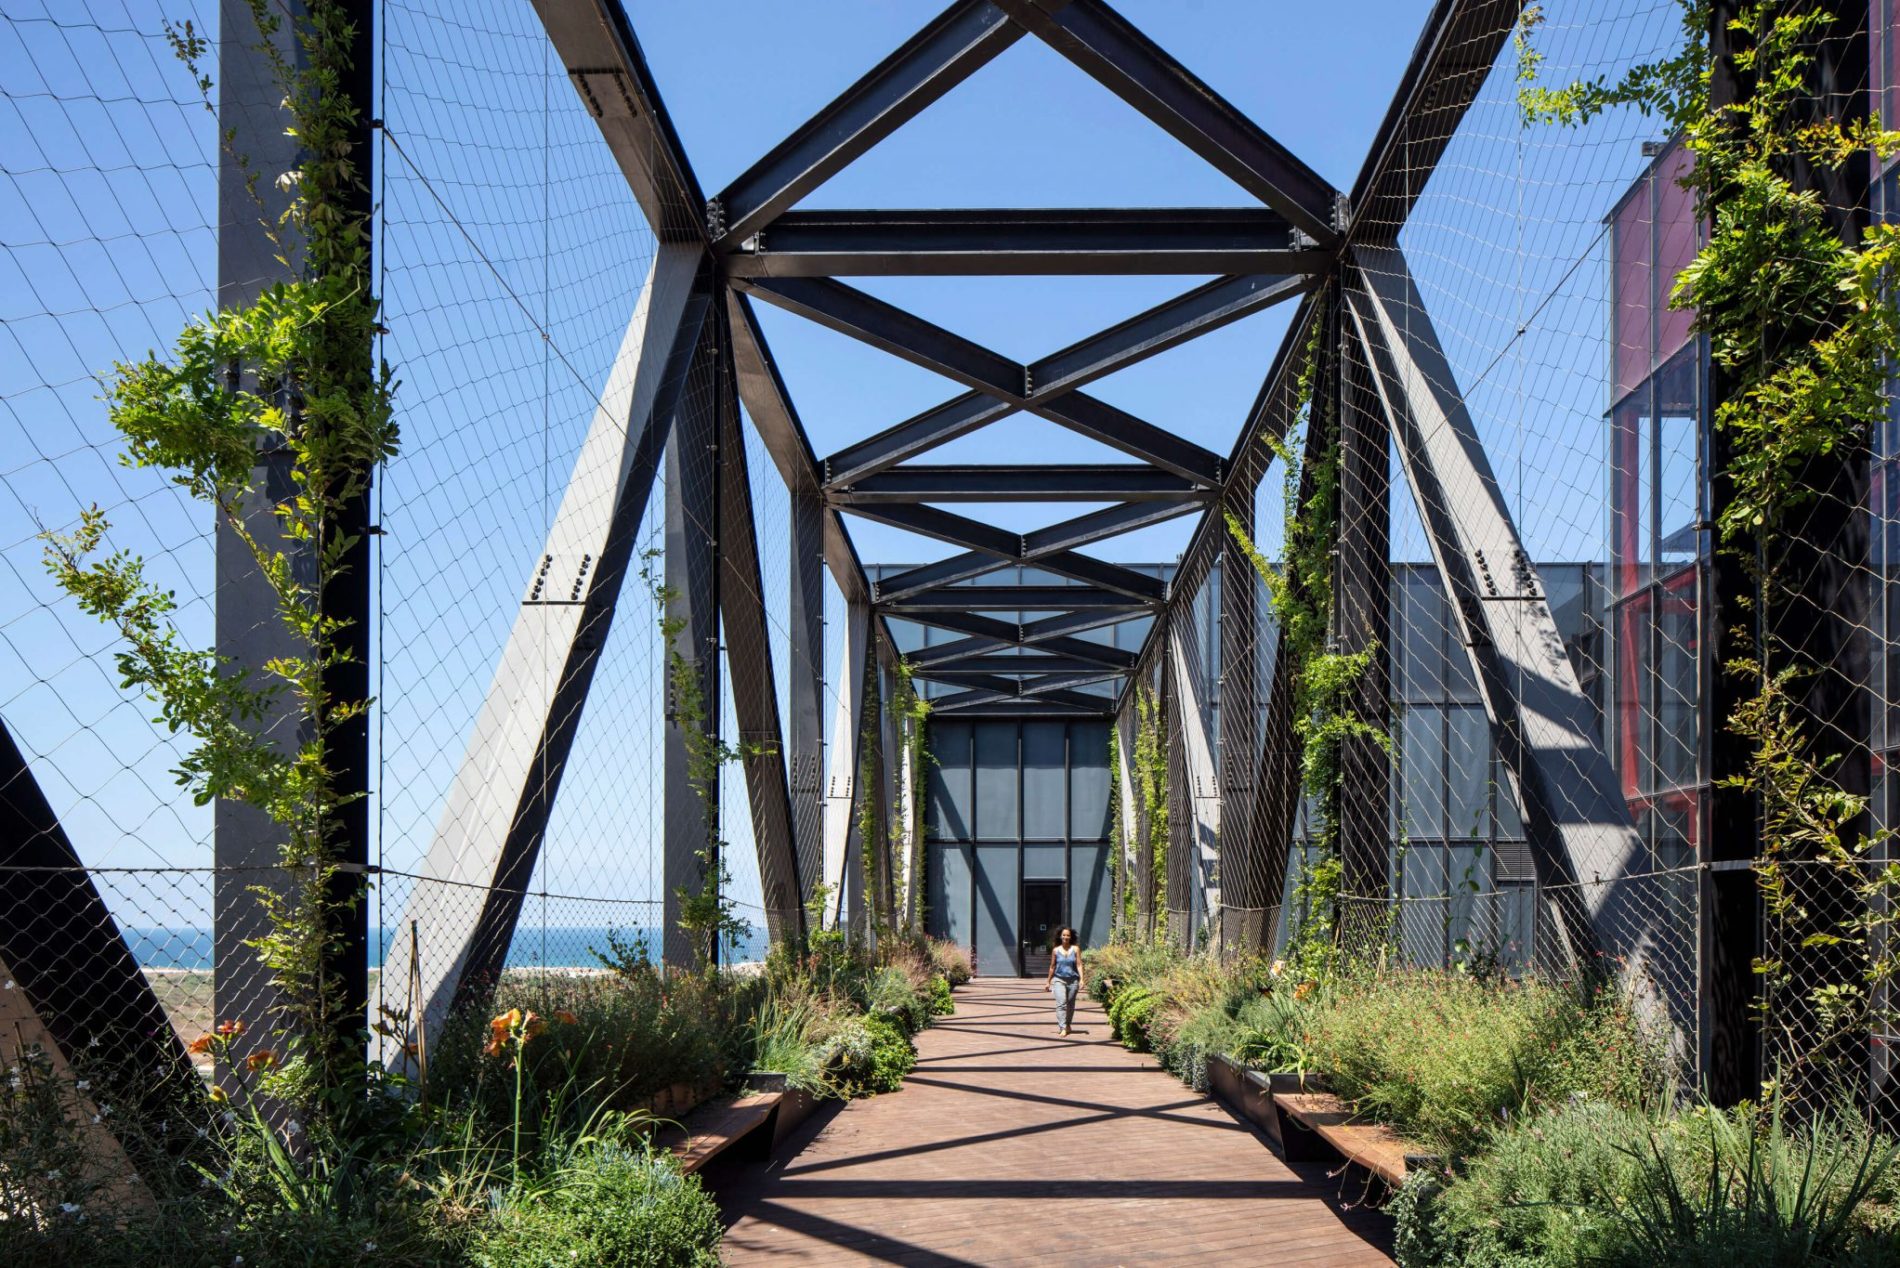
{"type": "Point", "coordinates": [1098, 573]}
{"type": "Point", "coordinates": [938, 425]}
{"type": "Point", "coordinates": [1014, 599]}
{"type": "Point", "coordinates": [1076, 648]}
{"type": "Point", "coordinates": [890, 329]}
{"type": "Point", "coordinates": [955, 44]}
{"type": "Point", "coordinates": [1029, 242]}
{"type": "Point", "coordinates": [1169, 324]}
{"type": "Point", "coordinates": [1101, 482]}
{"type": "Point", "coordinates": [983, 704]}
{"type": "Point", "coordinates": [1118, 429]}
{"type": "Point", "coordinates": [1111, 521]}
{"type": "Point", "coordinates": [1008, 663]}
{"type": "Point", "coordinates": [1113, 51]}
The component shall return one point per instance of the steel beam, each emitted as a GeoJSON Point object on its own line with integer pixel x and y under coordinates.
{"type": "Point", "coordinates": [1027, 242]}
{"type": "Point", "coordinates": [1016, 664]}
{"type": "Point", "coordinates": [485, 845]}
{"type": "Point", "coordinates": [769, 406]}
{"type": "Point", "coordinates": [693, 515]}
{"type": "Point", "coordinates": [843, 785]}
{"type": "Point", "coordinates": [1102, 482]}
{"type": "Point", "coordinates": [1040, 707]}
{"type": "Point", "coordinates": [1201, 783]}
{"type": "Point", "coordinates": [754, 693]}
{"type": "Point", "coordinates": [1169, 324]}
{"type": "Point", "coordinates": [805, 733]}
{"type": "Point", "coordinates": [1098, 420]}
{"type": "Point", "coordinates": [1112, 50]}
{"type": "Point", "coordinates": [1075, 648]}
{"type": "Point", "coordinates": [955, 44]}
{"type": "Point", "coordinates": [889, 328]}
{"type": "Point", "coordinates": [1112, 521]}
{"type": "Point", "coordinates": [1362, 604]}
{"type": "Point", "coordinates": [938, 425]}
{"type": "Point", "coordinates": [1048, 547]}
{"type": "Point", "coordinates": [1014, 599]}
{"type": "Point", "coordinates": [1243, 922]}
{"type": "Point", "coordinates": [1582, 842]}
{"type": "Point", "coordinates": [1096, 573]}
{"type": "Point", "coordinates": [66, 958]}
{"type": "Point", "coordinates": [603, 60]}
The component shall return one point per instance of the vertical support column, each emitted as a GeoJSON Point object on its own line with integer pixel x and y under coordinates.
{"type": "Point", "coordinates": [749, 661]}
{"type": "Point", "coordinates": [1129, 820]}
{"type": "Point", "coordinates": [249, 631]}
{"type": "Point", "coordinates": [1243, 904]}
{"type": "Point", "coordinates": [1362, 605]}
{"type": "Point", "coordinates": [1728, 1042]}
{"type": "Point", "coordinates": [805, 729]}
{"type": "Point", "coordinates": [692, 577]}
{"type": "Point", "coordinates": [1180, 894]}
{"type": "Point", "coordinates": [1146, 830]}
{"type": "Point", "coordinates": [841, 783]}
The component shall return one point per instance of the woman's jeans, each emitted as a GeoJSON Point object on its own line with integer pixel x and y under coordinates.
{"type": "Point", "coordinates": [1064, 991]}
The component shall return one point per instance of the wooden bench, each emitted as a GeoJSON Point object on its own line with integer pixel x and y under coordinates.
{"type": "Point", "coordinates": [710, 1130]}
{"type": "Point", "coordinates": [1377, 1148]}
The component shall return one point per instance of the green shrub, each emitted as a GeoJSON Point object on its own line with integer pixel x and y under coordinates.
{"type": "Point", "coordinates": [1541, 1195]}
{"type": "Point", "coordinates": [1594, 1184]}
{"type": "Point", "coordinates": [942, 1004]}
{"type": "Point", "coordinates": [950, 959]}
{"type": "Point", "coordinates": [1270, 1032]}
{"type": "Point", "coordinates": [892, 995]}
{"type": "Point", "coordinates": [1448, 1059]}
{"type": "Point", "coordinates": [892, 1054]}
{"type": "Point", "coordinates": [1130, 1011]}
{"type": "Point", "coordinates": [610, 1207]}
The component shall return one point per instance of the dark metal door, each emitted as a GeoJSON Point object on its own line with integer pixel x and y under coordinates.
{"type": "Point", "coordinates": [1043, 905]}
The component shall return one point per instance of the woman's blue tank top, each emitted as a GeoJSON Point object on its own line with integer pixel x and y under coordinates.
{"type": "Point", "coordinates": [1065, 963]}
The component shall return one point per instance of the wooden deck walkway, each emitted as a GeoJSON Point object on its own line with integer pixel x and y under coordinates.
{"type": "Point", "coordinates": [1010, 1146]}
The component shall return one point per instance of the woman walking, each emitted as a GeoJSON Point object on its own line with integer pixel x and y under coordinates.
{"type": "Point", "coordinates": [1065, 978]}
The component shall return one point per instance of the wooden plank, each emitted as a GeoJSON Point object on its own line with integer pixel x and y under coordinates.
{"type": "Point", "coordinates": [1373, 1146]}
{"type": "Point", "coordinates": [711, 1130]}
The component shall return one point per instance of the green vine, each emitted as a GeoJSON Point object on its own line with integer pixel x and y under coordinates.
{"type": "Point", "coordinates": [1300, 597]}
{"type": "Point", "coordinates": [294, 372]}
{"type": "Point", "coordinates": [1151, 786]}
{"type": "Point", "coordinates": [1124, 916]}
{"type": "Point", "coordinates": [910, 715]}
{"type": "Point", "coordinates": [1801, 323]}
{"type": "Point", "coordinates": [873, 844]}
{"type": "Point", "coordinates": [707, 912]}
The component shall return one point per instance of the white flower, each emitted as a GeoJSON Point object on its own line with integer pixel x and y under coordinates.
{"type": "Point", "coordinates": [83, 1084]}
{"type": "Point", "coordinates": [93, 1042]}
{"type": "Point", "coordinates": [8, 986]}
{"type": "Point", "coordinates": [96, 1120]}
{"type": "Point", "coordinates": [293, 1127]}
{"type": "Point", "coordinates": [369, 1248]}
{"type": "Point", "coordinates": [71, 1208]}
{"type": "Point", "coordinates": [105, 1111]}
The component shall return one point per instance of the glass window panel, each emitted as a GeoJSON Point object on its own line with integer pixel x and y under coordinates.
{"type": "Point", "coordinates": [1629, 719]}
{"type": "Point", "coordinates": [1089, 781]}
{"type": "Point", "coordinates": [1468, 768]}
{"type": "Point", "coordinates": [1422, 636]}
{"type": "Point", "coordinates": [1046, 862]}
{"type": "Point", "coordinates": [1678, 232]}
{"type": "Point", "coordinates": [947, 900]}
{"type": "Point", "coordinates": [1678, 485]}
{"type": "Point", "coordinates": [1091, 896]}
{"type": "Point", "coordinates": [1045, 781]}
{"type": "Point", "coordinates": [1630, 526]}
{"type": "Point", "coordinates": [1630, 249]}
{"type": "Point", "coordinates": [1468, 932]}
{"type": "Point", "coordinates": [950, 801]}
{"type": "Point", "coordinates": [1422, 773]}
{"type": "Point", "coordinates": [998, 815]}
{"type": "Point", "coordinates": [998, 892]}
{"type": "Point", "coordinates": [1677, 690]}
{"type": "Point", "coordinates": [1422, 913]}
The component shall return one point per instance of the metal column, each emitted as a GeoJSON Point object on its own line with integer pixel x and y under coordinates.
{"type": "Point", "coordinates": [693, 499]}
{"type": "Point", "coordinates": [1243, 902]}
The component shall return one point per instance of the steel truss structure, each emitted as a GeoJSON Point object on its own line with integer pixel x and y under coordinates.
{"type": "Point", "coordinates": [1331, 252]}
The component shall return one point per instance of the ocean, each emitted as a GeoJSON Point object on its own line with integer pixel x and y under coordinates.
{"type": "Point", "coordinates": [554, 947]}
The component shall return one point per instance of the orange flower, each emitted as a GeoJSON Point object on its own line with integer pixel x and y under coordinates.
{"type": "Point", "coordinates": [500, 1030]}
{"type": "Point", "coordinates": [199, 1046]}
{"type": "Point", "coordinates": [262, 1059]}
{"type": "Point", "coordinates": [532, 1027]}
{"type": "Point", "coordinates": [218, 1095]}
{"type": "Point", "coordinates": [230, 1029]}
{"type": "Point", "coordinates": [1302, 990]}
{"type": "Point", "coordinates": [566, 1018]}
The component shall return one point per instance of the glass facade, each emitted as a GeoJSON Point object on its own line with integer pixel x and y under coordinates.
{"type": "Point", "coordinates": [1010, 805]}
{"type": "Point", "coordinates": [1658, 540]}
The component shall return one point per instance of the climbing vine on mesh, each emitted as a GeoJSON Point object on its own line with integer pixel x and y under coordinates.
{"type": "Point", "coordinates": [294, 372]}
{"type": "Point", "coordinates": [1802, 324]}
